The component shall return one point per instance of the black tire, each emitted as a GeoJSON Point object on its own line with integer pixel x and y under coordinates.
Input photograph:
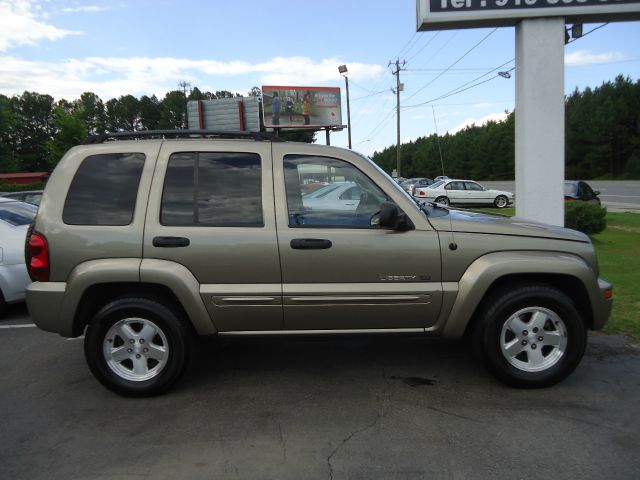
{"type": "Point", "coordinates": [3, 305]}
{"type": "Point", "coordinates": [501, 201]}
{"type": "Point", "coordinates": [153, 330]}
{"type": "Point", "coordinates": [529, 356]}
{"type": "Point", "coordinates": [443, 201]}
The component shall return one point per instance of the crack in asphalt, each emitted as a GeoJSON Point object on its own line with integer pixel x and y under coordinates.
{"type": "Point", "coordinates": [383, 412]}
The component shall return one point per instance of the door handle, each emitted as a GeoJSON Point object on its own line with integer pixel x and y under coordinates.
{"type": "Point", "coordinates": [170, 242]}
{"type": "Point", "coordinates": [310, 244]}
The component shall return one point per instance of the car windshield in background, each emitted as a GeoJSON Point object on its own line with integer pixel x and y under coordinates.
{"type": "Point", "coordinates": [570, 188]}
{"type": "Point", "coordinates": [17, 213]}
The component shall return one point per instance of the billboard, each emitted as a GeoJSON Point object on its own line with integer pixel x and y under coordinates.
{"type": "Point", "coordinates": [301, 107]}
{"type": "Point", "coordinates": [235, 113]}
{"type": "Point", "coordinates": [448, 14]}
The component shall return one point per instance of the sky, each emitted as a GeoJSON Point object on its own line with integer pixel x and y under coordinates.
{"type": "Point", "coordinates": [64, 48]}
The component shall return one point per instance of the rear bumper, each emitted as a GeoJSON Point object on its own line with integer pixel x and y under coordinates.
{"type": "Point", "coordinates": [44, 301]}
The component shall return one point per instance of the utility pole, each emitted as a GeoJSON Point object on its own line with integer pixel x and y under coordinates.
{"type": "Point", "coordinates": [185, 115]}
{"type": "Point", "coordinates": [399, 88]}
{"type": "Point", "coordinates": [184, 85]}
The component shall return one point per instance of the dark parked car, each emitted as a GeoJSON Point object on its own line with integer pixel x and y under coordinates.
{"type": "Point", "coordinates": [579, 190]}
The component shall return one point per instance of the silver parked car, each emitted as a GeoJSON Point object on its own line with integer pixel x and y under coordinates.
{"type": "Point", "coordinates": [463, 192]}
{"type": "Point", "coordinates": [15, 218]}
{"type": "Point", "coordinates": [29, 196]}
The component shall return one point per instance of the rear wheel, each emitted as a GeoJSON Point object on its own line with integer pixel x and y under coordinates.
{"type": "Point", "coordinates": [137, 346]}
{"type": "Point", "coordinates": [443, 201]}
{"type": "Point", "coordinates": [501, 201]}
{"type": "Point", "coordinates": [531, 336]}
{"type": "Point", "coordinates": [3, 304]}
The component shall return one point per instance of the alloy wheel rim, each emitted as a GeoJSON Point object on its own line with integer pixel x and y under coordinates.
{"type": "Point", "coordinates": [533, 339]}
{"type": "Point", "coordinates": [135, 349]}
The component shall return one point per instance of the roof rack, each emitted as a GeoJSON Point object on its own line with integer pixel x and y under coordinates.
{"type": "Point", "coordinates": [257, 136]}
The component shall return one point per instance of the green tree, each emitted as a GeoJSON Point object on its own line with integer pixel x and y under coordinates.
{"type": "Point", "coordinates": [123, 114]}
{"type": "Point", "coordinates": [33, 129]}
{"type": "Point", "coordinates": [70, 130]}
{"type": "Point", "coordinates": [173, 110]}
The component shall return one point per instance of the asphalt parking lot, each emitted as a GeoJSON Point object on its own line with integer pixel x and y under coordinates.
{"type": "Point", "coordinates": [316, 408]}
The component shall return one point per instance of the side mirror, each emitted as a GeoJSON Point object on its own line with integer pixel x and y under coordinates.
{"type": "Point", "coordinates": [597, 192]}
{"type": "Point", "coordinates": [392, 218]}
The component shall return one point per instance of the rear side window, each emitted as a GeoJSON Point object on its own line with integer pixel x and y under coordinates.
{"type": "Point", "coordinates": [213, 189]}
{"type": "Point", "coordinates": [104, 190]}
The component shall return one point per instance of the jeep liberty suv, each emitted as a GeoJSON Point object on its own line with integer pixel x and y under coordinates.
{"type": "Point", "coordinates": [141, 244]}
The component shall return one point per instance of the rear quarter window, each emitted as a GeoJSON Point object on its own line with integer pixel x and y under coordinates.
{"type": "Point", "coordinates": [104, 190]}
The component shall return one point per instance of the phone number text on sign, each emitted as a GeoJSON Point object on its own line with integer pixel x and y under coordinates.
{"type": "Point", "coordinates": [471, 5]}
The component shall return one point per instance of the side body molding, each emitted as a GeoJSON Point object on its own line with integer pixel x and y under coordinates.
{"type": "Point", "coordinates": [484, 271]}
{"type": "Point", "coordinates": [184, 285]}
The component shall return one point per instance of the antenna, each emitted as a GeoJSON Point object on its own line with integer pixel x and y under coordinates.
{"type": "Point", "coordinates": [433, 110]}
{"type": "Point", "coordinates": [453, 245]}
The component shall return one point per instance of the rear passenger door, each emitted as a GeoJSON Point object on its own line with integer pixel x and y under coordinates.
{"type": "Point", "coordinates": [211, 210]}
{"type": "Point", "coordinates": [456, 192]}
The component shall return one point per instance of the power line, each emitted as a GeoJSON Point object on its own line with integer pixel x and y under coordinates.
{"type": "Point", "coordinates": [414, 36]}
{"type": "Point", "coordinates": [455, 63]}
{"type": "Point", "coordinates": [457, 90]}
{"type": "Point", "coordinates": [588, 33]}
{"type": "Point", "coordinates": [425, 46]}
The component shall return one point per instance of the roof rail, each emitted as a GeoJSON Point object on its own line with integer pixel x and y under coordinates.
{"type": "Point", "coordinates": [257, 136]}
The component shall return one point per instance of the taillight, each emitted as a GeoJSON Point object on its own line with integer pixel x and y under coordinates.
{"type": "Point", "coordinates": [38, 258]}
{"type": "Point", "coordinates": [421, 193]}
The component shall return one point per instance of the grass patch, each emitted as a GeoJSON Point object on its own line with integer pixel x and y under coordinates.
{"type": "Point", "coordinates": [618, 249]}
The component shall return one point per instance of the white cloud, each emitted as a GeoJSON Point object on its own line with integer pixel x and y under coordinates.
{"type": "Point", "coordinates": [496, 117]}
{"type": "Point", "coordinates": [583, 57]}
{"type": "Point", "coordinates": [20, 25]}
{"type": "Point", "coordinates": [85, 9]}
{"type": "Point", "coordinates": [111, 77]}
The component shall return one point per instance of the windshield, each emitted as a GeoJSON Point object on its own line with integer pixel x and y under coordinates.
{"type": "Point", "coordinates": [570, 188]}
{"type": "Point", "coordinates": [17, 213]}
{"type": "Point", "coordinates": [436, 184]}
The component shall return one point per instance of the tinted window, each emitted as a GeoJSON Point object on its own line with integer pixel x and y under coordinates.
{"type": "Point", "coordinates": [213, 189]}
{"type": "Point", "coordinates": [350, 200]}
{"type": "Point", "coordinates": [104, 190]}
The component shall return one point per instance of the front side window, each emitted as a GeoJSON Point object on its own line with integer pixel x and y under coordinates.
{"type": "Point", "coordinates": [348, 198]}
{"type": "Point", "coordinates": [213, 189]}
{"type": "Point", "coordinates": [104, 190]}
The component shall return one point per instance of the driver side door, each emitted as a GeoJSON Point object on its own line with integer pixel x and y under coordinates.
{"type": "Point", "coordinates": [340, 271]}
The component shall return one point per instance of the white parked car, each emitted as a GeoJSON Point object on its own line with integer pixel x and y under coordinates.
{"type": "Point", "coordinates": [463, 192]}
{"type": "Point", "coordinates": [335, 196]}
{"type": "Point", "coordinates": [15, 218]}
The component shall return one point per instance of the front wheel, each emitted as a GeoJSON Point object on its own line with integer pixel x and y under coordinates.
{"type": "Point", "coordinates": [501, 201]}
{"type": "Point", "coordinates": [531, 336]}
{"type": "Point", "coordinates": [137, 346]}
{"type": "Point", "coordinates": [443, 201]}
